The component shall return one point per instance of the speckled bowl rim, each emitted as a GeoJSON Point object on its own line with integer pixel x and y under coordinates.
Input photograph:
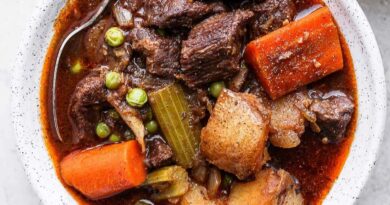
{"type": "Point", "coordinates": [371, 91]}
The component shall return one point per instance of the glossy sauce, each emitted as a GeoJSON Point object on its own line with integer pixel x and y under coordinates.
{"type": "Point", "coordinates": [314, 164]}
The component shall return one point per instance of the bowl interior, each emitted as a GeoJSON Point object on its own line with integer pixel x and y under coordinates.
{"type": "Point", "coordinates": [371, 93]}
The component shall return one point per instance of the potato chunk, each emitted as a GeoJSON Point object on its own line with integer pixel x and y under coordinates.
{"type": "Point", "coordinates": [198, 195]}
{"type": "Point", "coordinates": [287, 120]}
{"type": "Point", "coordinates": [270, 187]}
{"type": "Point", "coordinates": [236, 133]}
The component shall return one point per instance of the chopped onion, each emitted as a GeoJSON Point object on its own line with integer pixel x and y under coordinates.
{"type": "Point", "coordinates": [123, 16]}
{"type": "Point", "coordinates": [214, 182]}
{"type": "Point", "coordinates": [200, 174]}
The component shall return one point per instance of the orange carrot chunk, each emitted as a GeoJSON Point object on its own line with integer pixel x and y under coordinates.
{"type": "Point", "coordinates": [297, 54]}
{"type": "Point", "coordinates": [104, 171]}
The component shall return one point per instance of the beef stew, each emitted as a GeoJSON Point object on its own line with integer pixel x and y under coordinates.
{"type": "Point", "coordinates": [162, 102]}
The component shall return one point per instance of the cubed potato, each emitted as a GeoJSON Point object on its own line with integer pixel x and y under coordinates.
{"type": "Point", "coordinates": [197, 195]}
{"type": "Point", "coordinates": [287, 122]}
{"type": "Point", "coordinates": [271, 187]}
{"type": "Point", "coordinates": [235, 136]}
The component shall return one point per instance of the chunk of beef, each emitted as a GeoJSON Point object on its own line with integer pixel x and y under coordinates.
{"type": "Point", "coordinates": [132, 5]}
{"type": "Point", "coordinates": [162, 53]}
{"type": "Point", "coordinates": [252, 86]}
{"type": "Point", "coordinates": [158, 152]}
{"type": "Point", "coordinates": [119, 58]}
{"type": "Point", "coordinates": [238, 81]}
{"type": "Point", "coordinates": [89, 92]}
{"type": "Point", "coordinates": [334, 112]}
{"type": "Point", "coordinates": [213, 49]}
{"type": "Point", "coordinates": [95, 47]}
{"type": "Point", "coordinates": [98, 52]}
{"type": "Point", "coordinates": [287, 119]}
{"type": "Point", "coordinates": [270, 187]}
{"type": "Point", "coordinates": [139, 77]}
{"type": "Point", "coordinates": [271, 15]}
{"type": "Point", "coordinates": [178, 13]}
{"type": "Point", "coordinates": [235, 136]}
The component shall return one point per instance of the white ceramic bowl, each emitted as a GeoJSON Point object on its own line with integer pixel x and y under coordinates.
{"type": "Point", "coordinates": [371, 92]}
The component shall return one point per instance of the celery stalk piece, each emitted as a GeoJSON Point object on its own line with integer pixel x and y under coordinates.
{"type": "Point", "coordinates": [172, 182]}
{"type": "Point", "coordinates": [173, 114]}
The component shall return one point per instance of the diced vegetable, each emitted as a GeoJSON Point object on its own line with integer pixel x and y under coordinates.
{"type": "Point", "coordinates": [199, 174]}
{"type": "Point", "coordinates": [113, 80]}
{"type": "Point", "coordinates": [197, 195]}
{"type": "Point", "coordinates": [144, 202]}
{"type": "Point", "coordinates": [214, 182]}
{"type": "Point", "coordinates": [216, 88]}
{"type": "Point", "coordinates": [227, 181]}
{"type": "Point", "coordinates": [171, 182]}
{"type": "Point", "coordinates": [114, 37]}
{"type": "Point", "coordinates": [151, 127]}
{"type": "Point", "coordinates": [123, 16]}
{"type": "Point", "coordinates": [236, 133]}
{"type": "Point", "coordinates": [102, 130]}
{"type": "Point", "coordinates": [102, 172]}
{"type": "Point", "coordinates": [270, 187]}
{"type": "Point", "coordinates": [149, 114]}
{"type": "Point", "coordinates": [173, 114]}
{"type": "Point", "coordinates": [130, 115]}
{"type": "Point", "coordinates": [297, 54]}
{"type": "Point", "coordinates": [114, 138]}
{"type": "Point", "coordinates": [114, 114]}
{"type": "Point", "coordinates": [129, 135]}
{"type": "Point", "coordinates": [161, 32]}
{"type": "Point", "coordinates": [136, 97]}
{"type": "Point", "coordinates": [76, 68]}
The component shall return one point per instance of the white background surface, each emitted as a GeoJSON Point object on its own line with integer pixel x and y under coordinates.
{"type": "Point", "coordinates": [14, 186]}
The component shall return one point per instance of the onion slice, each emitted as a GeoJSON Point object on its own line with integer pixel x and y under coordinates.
{"type": "Point", "coordinates": [122, 16]}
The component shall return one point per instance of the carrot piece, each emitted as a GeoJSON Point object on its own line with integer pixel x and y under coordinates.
{"type": "Point", "coordinates": [297, 54]}
{"type": "Point", "coordinates": [104, 171]}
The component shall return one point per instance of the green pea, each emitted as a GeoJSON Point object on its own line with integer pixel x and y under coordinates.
{"type": "Point", "coordinates": [114, 37]}
{"type": "Point", "coordinates": [113, 80]}
{"type": "Point", "coordinates": [102, 130]}
{"type": "Point", "coordinates": [151, 127]}
{"type": "Point", "coordinates": [144, 202]}
{"type": "Point", "coordinates": [114, 114]}
{"type": "Point", "coordinates": [149, 114]}
{"type": "Point", "coordinates": [216, 88]}
{"type": "Point", "coordinates": [114, 138]}
{"type": "Point", "coordinates": [161, 32]}
{"type": "Point", "coordinates": [76, 68]}
{"type": "Point", "coordinates": [136, 97]}
{"type": "Point", "coordinates": [227, 181]}
{"type": "Point", "coordinates": [129, 135]}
